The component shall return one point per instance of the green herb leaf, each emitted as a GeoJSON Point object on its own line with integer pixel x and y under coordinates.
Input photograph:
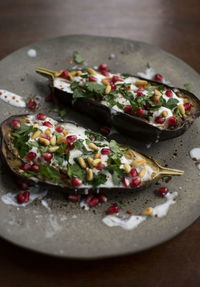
{"type": "Point", "coordinates": [76, 170]}
{"type": "Point", "coordinates": [95, 88]}
{"type": "Point", "coordinates": [77, 58]}
{"type": "Point", "coordinates": [51, 173]}
{"type": "Point", "coordinates": [187, 86]}
{"type": "Point", "coordinates": [62, 112]}
{"type": "Point", "coordinates": [98, 179]}
{"type": "Point", "coordinates": [96, 136]}
{"type": "Point", "coordinates": [171, 103]}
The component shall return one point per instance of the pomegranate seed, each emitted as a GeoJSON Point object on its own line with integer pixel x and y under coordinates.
{"type": "Point", "coordinates": [116, 79]}
{"type": "Point", "coordinates": [162, 191]}
{"type": "Point", "coordinates": [49, 98]}
{"type": "Point", "coordinates": [102, 197]}
{"type": "Point", "coordinates": [35, 168]}
{"type": "Point", "coordinates": [103, 67]}
{"type": "Point", "coordinates": [128, 109]}
{"type": "Point", "coordinates": [159, 120]}
{"type": "Point", "coordinates": [30, 156]}
{"type": "Point", "coordinates": [187, 106]}
{"type": "Point", "coordinates": [135, 182]}
{"type": "Point", "coordinates": [113, 209]}
{"type": "Point", "coordinates": [93, 202]}
{"type": "Point", "coordinates": [100, 166]}
{"type": "Point", "coordinates": [139, 94]}
{"type": "Point", "coordinates": [126, 182]}
{"type": "Point", "coordinates": [105, 131]}
{"type": "Point", "coordinates": [25, 166]}
{"type": "Point", "coordinates": [47, 124]}
{"type": "Point", "coordinates": [41, 117]}
{"type": "Point", "coordinates": [15, 124]}
{"type": "Point", "coordinates": [20, 198]}
{"type": "Point", "coordinates": [133, 172]}
{"type": "Point", "coordinates": [59, 129]}
{"type": "Point", "coordinates": [26, 196]}
{"type": "Point", "coordinates": [156, 102]}
{"type": "Point", "coordinates": [168, 93]}
{"type": "Point", "coordinates": [158, 77]}
{"type": "Point", "coordinates": [24, 186]}
{"type": "Point", "coordinates": [74, 197]}
{"type": "Point", "coordinates": [113, 87]}
{"type": "Point", "coordinates": [64, 74]}
{"type": "Point", "coordinates": [45, 136]}
{"type": "Point", "coordinates": [47, 156]}
{"type": "Point", "coordinates": [147, 106]}
{"type": "Point", "coordinates": [92, 79]}
{"type": "Point", "coordinates": [89, 197]}
{"type": "Point", "coordinates": [105, 151]}
{"type": "Point", "coordinates": [141, 88]}
{"type": "Point", "coordinates": [71, 139]}
{"type": "Point", "coordinates": [76, 181]}
{"type": "Point", "coordinates": [105, 73]}
{"type": "Point", "coordinates": [140, 112]}
{"type": "Point", "coordinates": [31, 104]}
{"type": "Point", "coordinates": [172, 121]}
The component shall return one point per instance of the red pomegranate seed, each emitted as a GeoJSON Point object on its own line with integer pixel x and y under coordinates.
{"type": "Point", "coordinates": [168, 93]}
{"type": "Point", "coordinates": [113, 209]}
{"type": "Point", "coordinates": [92, 79]}
{"type": "Point", "coordinates": [24, 186]}
{"type": "Point", "coordinates": [126, 182]}
{"type": "Point", "coordinates": [71, 139]}
{"type": "Point", "coordinates": [105, 73]}
{"type": "Point", "coordinates": [35, 168]}
{"type": "Point", "coordinates": [140, 112]}
{"type": "Point", "coordinates": [45, 136]}
{"type": "Point", "coordinates": [158, 77]}
{"type": "Point", "coordinates": [159, 120]}
{"type": "Point", "coordinates": [93, 202]}
{"type": "Point", "coordinates": [47, 156]}
{"type": "Point", "coordinates": [105, 151]}
{"type": "Point", "coordinates": [20, 198]}
{"type": "Point", "coordinates": [172, 121]}
{"type": "Point", "coordinates": [31, 104]}
{"type": "Point", "coordinates": [156, 102]}
{"type": "Point", "coordinates": [76, 181]}
{"type": "Point", "coordinates": [103, 67]}
{"type": "Point", "coordinates": [41, 117]}
{"type": "Point", "coordinates": [64, 74]}
{"type": "Point", "coordinates": [59, 129]}
{"type": "Point", "coordinates": [147, 106]}
{"type": "Point", "coordinates": [47, 124]}
{"type": "Point", "coordinates": [133, 172]}
{"type": "Point", "coordinates": [135, 182]}
{"type": "Point", "coordinates": [187, 106]}
{"type": "Point", "coordinates": [26, 196]}
{"type": "Point", "coordinates": [89, 197]}
{"type": "Point", "coordinates": [25, 166]}
{"type": "Point", "coordinates": [162, 191]}
{"type": "Point", "coordinates": [141, 88]}
{"type": "Point", "coordinates": [116, 79]}
{"type": "Point", "coordinates": [100, 166]}
{"type": "Point", "coordinates": [74, 197]}
{"type": "Point", "coordinates": [139, 94]}
{"type": "Point", "coordinates": [128, 109]}
{"type": "Point", "coordinates": [102, 197]}
{"type": "Point", "coordinates": [15, 124]}
{"type": "Point", "coordinates": [30, 156]}
{"type": "Point", "coordinates": [49, 98]}
{"type": "Point", "coordinates": [105, 131]}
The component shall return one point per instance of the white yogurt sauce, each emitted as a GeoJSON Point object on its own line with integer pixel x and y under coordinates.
{"type": "Point", "coordinates": [149, 74]}
{"type": "Point", "coordinates": [32, 53]}
{"type": "Point", "coordinates": [12, 99]}
{"type": "Point", "coordinates": [195, 155]}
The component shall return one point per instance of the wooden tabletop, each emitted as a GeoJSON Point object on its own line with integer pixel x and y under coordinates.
{"type": "Point", "coordinates": [170, 24]}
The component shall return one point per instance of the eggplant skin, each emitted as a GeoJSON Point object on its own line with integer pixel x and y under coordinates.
{"type": "Point", "coordinates": [128, 124]}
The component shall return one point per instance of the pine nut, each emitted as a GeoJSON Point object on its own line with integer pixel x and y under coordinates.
{"type": "Point", "coordinates": [97, 155]}
{"type": "Point", "coordinates": [36, 134]}
{"type": "Point", "coordinates": [165, 114]}
{"type": "Point", "coordinates": [142, 172]}
{"type": "Point", "coordinates": [70, 76]}
{"type": "Point", "coordinates": [44, 141]}
{"type": "Point", "coordinates": [65, 132]}
{"type": "Point", "coordinates": [96, 162]}
{"type": "Point", "coordinates": [81, 161]}
{"type": "Point", "coordinates": [147, 211]}
{"type": "Point", "coordinates": [53, 140]}
{"type": "Point", "coordinates": [138, 162]}
{"type": "Point", "coordinates": [108, 89]}
{"type": "Point", "coordinates": [61, 140]}
{"type": "Point", "coordinates": [89, 174]}
{"type": "Point", "coordinates": [73, 73]}
{"type": "Point", "coordinates": [53, 148]}
{"type": "Point", "coordinates": [181, 109]}
{"type": "Point", "coordinates": [35, 125]}
{"type": "Point", "coordinates": [105, 82]}
{"type": "Point", "coordinates": [93, 146]}
{"type": "Point", "coordinates": [79, 73]}
{"type": "Point", "coordinates": [185, 100]}
{"type": "Point", "coordinates": [127, 167]}
{"type": "Point", "coordinates": [157, 93]}
{"type": "Point", "coordinates": [91, 71]}
{"type": "Point", "coordinates": [48, 132]}
{"type": "Point", "coordinates": [90, 161]}
{"type": "Point", "coordinates": [140, 83]}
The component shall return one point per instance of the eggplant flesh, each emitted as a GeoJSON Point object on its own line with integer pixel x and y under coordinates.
{"type": "Point", "coordinates": [137, 127]}
{"type": "Point", "coordinates": [121, 169]}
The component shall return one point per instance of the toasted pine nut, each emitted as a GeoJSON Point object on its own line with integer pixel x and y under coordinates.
{"type": "Point", "coordinates": [89, 174]}
{"type": "Point", "coordinates": [91, 71]}
{"type": "Point", "coordinates": [108, 89]}
{"type": "Point", "coordinates": [181, 109]}
{"type": "Point", "coordinates": [142, 172]}
{"type": "Point", "coordinates": [35, 125]}
{"type": "Point", "coordinates": [127, 167]}
{"type": "Point", "coordinates": [48, 132]}
{"type": "Point", "coordinates": [53, 148]}
{"type": "Point", "coordinates": [61, 140]}
{"type": "Point", "coordinates": [65, 132]}
{"type": "Point", "coordinates": [105, 82]}
{"type": "Point", "coordinates": [53, 140]}
{"type": "Point", "coordinates": [36, 134]}
{"type": "Point", "coordinates": [157, 93]}
{"type": "Point", "coordinates": [185, 100]}
{"type": "Point", "coordinates": [93, 146]}
{"type": "Point", "coordinates": [147, 211]}
{"type": "Point", "coordinates": [81, 161]}
{"type": "Point", "coordinates": [138, 162]}
{"type": "Point", "coordinates": [79, 73]}
{"type": "Point", "coordinates": [90, 161]}
{"type": "Point", "coordinates": [140, 83]}
{"type": "Point", "coordinates": [96, 162]}
{"type": "Point", "coordinates": [73, 73]}
{"type": "Point", "coordinates": [44, 141]}
{"type": "Point", "coordinates": [97, 155]}
{"type": "Point", "coordinates": [58, 73]}
{"type": "Point", "coordinates": [165, 114]}
{"type": "Point", "coordinates": [70, 76]}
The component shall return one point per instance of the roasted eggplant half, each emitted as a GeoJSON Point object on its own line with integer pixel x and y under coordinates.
{"type": "Point", "coordinates": [70, 157]}
{"type": "Point", "coordinates": [144, 109]}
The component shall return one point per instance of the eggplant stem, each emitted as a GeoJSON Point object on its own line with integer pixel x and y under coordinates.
{"type": "Point", "coordinates": [167, 171]}
{"type": "Point", "coordinates": [46, 72]}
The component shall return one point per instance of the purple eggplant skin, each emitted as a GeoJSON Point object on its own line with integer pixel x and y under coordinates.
{"type": "Point", "coordinates": [129, 124]}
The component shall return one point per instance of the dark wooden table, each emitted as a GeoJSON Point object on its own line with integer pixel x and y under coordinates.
{"type": "Point", "coordinates": [174, 26]}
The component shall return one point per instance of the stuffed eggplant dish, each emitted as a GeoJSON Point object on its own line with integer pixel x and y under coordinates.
{"type": "Point", "coordinates": [70, 157]}
{"type": "Point", "coordinates": [144, 109]}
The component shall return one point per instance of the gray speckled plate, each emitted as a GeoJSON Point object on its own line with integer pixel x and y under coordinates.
{"type": "Point", "coordinates": [66, 230]}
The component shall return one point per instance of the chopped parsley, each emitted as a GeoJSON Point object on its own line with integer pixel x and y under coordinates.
{"type": "Point", "coordinates": [77, 57]}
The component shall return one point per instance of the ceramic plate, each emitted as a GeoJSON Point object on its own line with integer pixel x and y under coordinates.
{"type": "Point", "coordinates": [64, 229]}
